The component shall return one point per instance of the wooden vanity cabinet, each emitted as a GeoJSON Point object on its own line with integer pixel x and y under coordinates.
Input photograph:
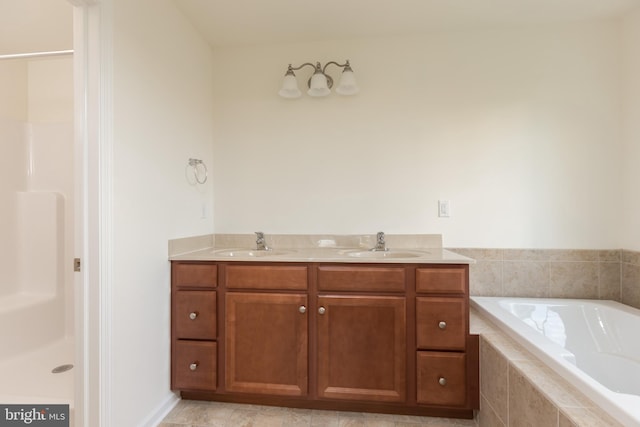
{"type": "Point", "coordinates": [365, 337]}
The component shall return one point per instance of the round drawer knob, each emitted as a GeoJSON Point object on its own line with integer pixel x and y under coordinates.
{"type": "Point", "coordinates": [302, 309]}
{"type": "Point", "coordinates": [193, 366]}
{"type": "Point", "coordinates": [193, 315]}
{"type": "Point", "coordinates": [322, 310]}
{"type": "Point", "coordinates": [442, 325]}
{"type": "Point", "coordinates": [442, 381]}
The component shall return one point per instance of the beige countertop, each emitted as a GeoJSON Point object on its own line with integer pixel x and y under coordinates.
{"type": "Point", "coordinates": [401, 249]}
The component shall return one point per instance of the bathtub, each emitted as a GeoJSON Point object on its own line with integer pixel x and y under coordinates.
{"type": "Point", "coordinates": [32, 305]}
{"type": "Point", "coordinates": [594, 345]}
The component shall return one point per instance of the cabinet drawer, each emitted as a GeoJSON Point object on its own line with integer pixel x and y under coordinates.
{"type": "Point", "coordinates": [346, 278]}
{"type": "Point", "coordinates": [289, 277]}
{"type": "Point", "coordinates": [194, 365]}
{"type": "Point", "coordinates": [441, 378]}
{"type": "Point", "coordinates": [192, 275]}
{"type": "Point", "coordinates": [441, 323]}
{"type": "Point", "coordinates": [438, 280]}
{"type": "Point", "coordinates": [194, 315]}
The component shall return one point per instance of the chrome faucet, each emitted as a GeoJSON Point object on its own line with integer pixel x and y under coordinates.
{"type": "Point", "coordinates": [380, 243]}
{"type": "Point", "coordinates": [261, 244]}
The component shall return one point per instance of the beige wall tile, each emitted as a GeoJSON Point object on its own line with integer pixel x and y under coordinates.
{"type": "Point", "coordinates": [631, 257]}
{"type": "Point", "coordinates": [527, 405]}
{"type": "Point", "coordinates": [564, 421]}
{"type": "Point", "coordinates": [555, 388]}
{"type": "Point", "coordinates": [510, 349]}
{"type": "Point", "coordinates": [573, 280]}
{"type": "Point", "coordinates": [525, 255]}
{"type": "Point", "coordinates": [525, 279]}
{"type": "Point", "coordinates": [610, 255]}
{"type": "Point", "coordinates": [580, 417]}
{"type": "Point", "coordinates": [485, 278]}
{"type": "Point", "coordinates": [630, 285]}
{"type": "Point", "coordinates": [487, 417]}
{"type": "Point", "coordinates": [609, 280]}
{"type": "Point", "coordinates": [480, 254]}
{"type": "Point", "coordinates": [494, 369]}
{"type": "Point", "coordinates": [573, 255]}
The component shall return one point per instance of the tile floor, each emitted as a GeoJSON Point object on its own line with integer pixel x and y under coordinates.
{"type": "Point", "coordinates": [190, 413]}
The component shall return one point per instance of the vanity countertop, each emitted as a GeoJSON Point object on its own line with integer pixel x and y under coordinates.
{"type": "Point", "coordinates": [401, 249]}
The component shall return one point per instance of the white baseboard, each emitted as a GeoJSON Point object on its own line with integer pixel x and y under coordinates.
{"type": "Point", "coordinates": [161, 411]}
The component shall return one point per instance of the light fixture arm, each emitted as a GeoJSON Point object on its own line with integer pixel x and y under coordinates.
{"type": "Point", "coordinates": [292, 69]}
{"type": "Point", "coordinates": [346, 66]}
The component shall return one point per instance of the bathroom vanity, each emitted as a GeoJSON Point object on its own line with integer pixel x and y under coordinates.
{"type": "Point", "coordinates": [327, 329]}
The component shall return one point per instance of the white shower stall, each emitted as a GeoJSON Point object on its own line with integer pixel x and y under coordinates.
{"type": "Point", "coordinates": [36, 229]}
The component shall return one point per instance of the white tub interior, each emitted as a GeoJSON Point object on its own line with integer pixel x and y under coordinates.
{"type": "Point", "coordinates": [592, 344]}
{"type": "Point", "coordinates": [36, 311]}
{"type": "Point", "coordinates": [33, 314]}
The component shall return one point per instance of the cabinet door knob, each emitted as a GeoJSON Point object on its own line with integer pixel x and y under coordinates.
{"type": "Point", "coordinates": [302, 309]}
{"type": "Point", "coordinates": [442, 381]}
{"type": "Point", "coordinates": [193, 366]}
{"type": "Point", "coordinates": [442, 325]}
{"type": "Point", "coordinates": [193, 315]}
{"type": "Point", "coordinates": [322, 310]}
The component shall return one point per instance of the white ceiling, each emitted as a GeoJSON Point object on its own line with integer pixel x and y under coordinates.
{"type": "Point", "coordinates": [40, 25]}
{"type": "Point", "coordinates": [242, 22]}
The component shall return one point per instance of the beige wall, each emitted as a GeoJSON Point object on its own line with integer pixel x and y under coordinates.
{"type": "Point", "coordinates": [162, 116]}
{"type": "Point", "coordinates": [631, 128]}
{"type": "Point", "coordinates": [13, 87]}
{"type": "Point", "coordinates": [50, 90]}
{"type": "Point", "coordinates": [519, 129]}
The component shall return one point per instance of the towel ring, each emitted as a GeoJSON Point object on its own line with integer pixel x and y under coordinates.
{"type": "Point", "coordinates": [200, 172]}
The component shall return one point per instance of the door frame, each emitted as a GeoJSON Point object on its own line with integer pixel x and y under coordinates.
{"type": "Point", "coordinates": [93, 241]}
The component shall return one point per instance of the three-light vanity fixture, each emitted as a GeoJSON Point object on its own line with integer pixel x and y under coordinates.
{"type": "Point", "coordinates": [320, 83]}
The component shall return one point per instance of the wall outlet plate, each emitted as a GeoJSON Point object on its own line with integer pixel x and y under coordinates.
{"type": "Point", "coordinates": [444, 210]}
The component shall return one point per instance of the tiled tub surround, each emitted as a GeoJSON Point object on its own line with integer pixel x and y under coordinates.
{"type": "Point", "coordinates": [516, 389]}
{"type": "Point", "coordinates": [552, 273]}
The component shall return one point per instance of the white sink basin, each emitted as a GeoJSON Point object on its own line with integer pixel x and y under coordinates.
{"type": "Point", "coordinates": [247, 253]}
{"type": "Point", "coordinates": [386, 254]}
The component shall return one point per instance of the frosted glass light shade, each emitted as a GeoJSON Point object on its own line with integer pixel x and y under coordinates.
{"type": "Point", "coordinates": [348, 85]}
{"type": "Point", "coordinates": [318, 85]}
{"type": "Point", "coordinates": [290, 87]}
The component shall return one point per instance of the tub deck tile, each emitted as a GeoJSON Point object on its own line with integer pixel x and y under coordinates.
{"type": "Point", "coordinates": [536, 395]}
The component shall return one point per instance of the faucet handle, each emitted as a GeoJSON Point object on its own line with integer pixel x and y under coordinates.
{"type": "Point", "coordinates": [380, 243]}
{"type": "Point", "coordinates": [260, 242]}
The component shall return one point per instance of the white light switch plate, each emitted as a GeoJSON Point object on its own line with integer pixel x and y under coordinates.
{"type": "Point", "coordinates": [443, 209]}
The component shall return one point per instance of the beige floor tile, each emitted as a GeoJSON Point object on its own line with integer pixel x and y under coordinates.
{"type": "Point", "coordinates": [216, 414]}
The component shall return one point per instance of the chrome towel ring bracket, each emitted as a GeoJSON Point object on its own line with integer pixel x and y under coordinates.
{"type": "Point", "coordinates": [200, 172]}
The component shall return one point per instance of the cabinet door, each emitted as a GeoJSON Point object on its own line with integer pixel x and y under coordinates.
{"type": "Point", "coordinates": [362, 348]}
{"type": "Point", "coordinates": [266, 343]}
